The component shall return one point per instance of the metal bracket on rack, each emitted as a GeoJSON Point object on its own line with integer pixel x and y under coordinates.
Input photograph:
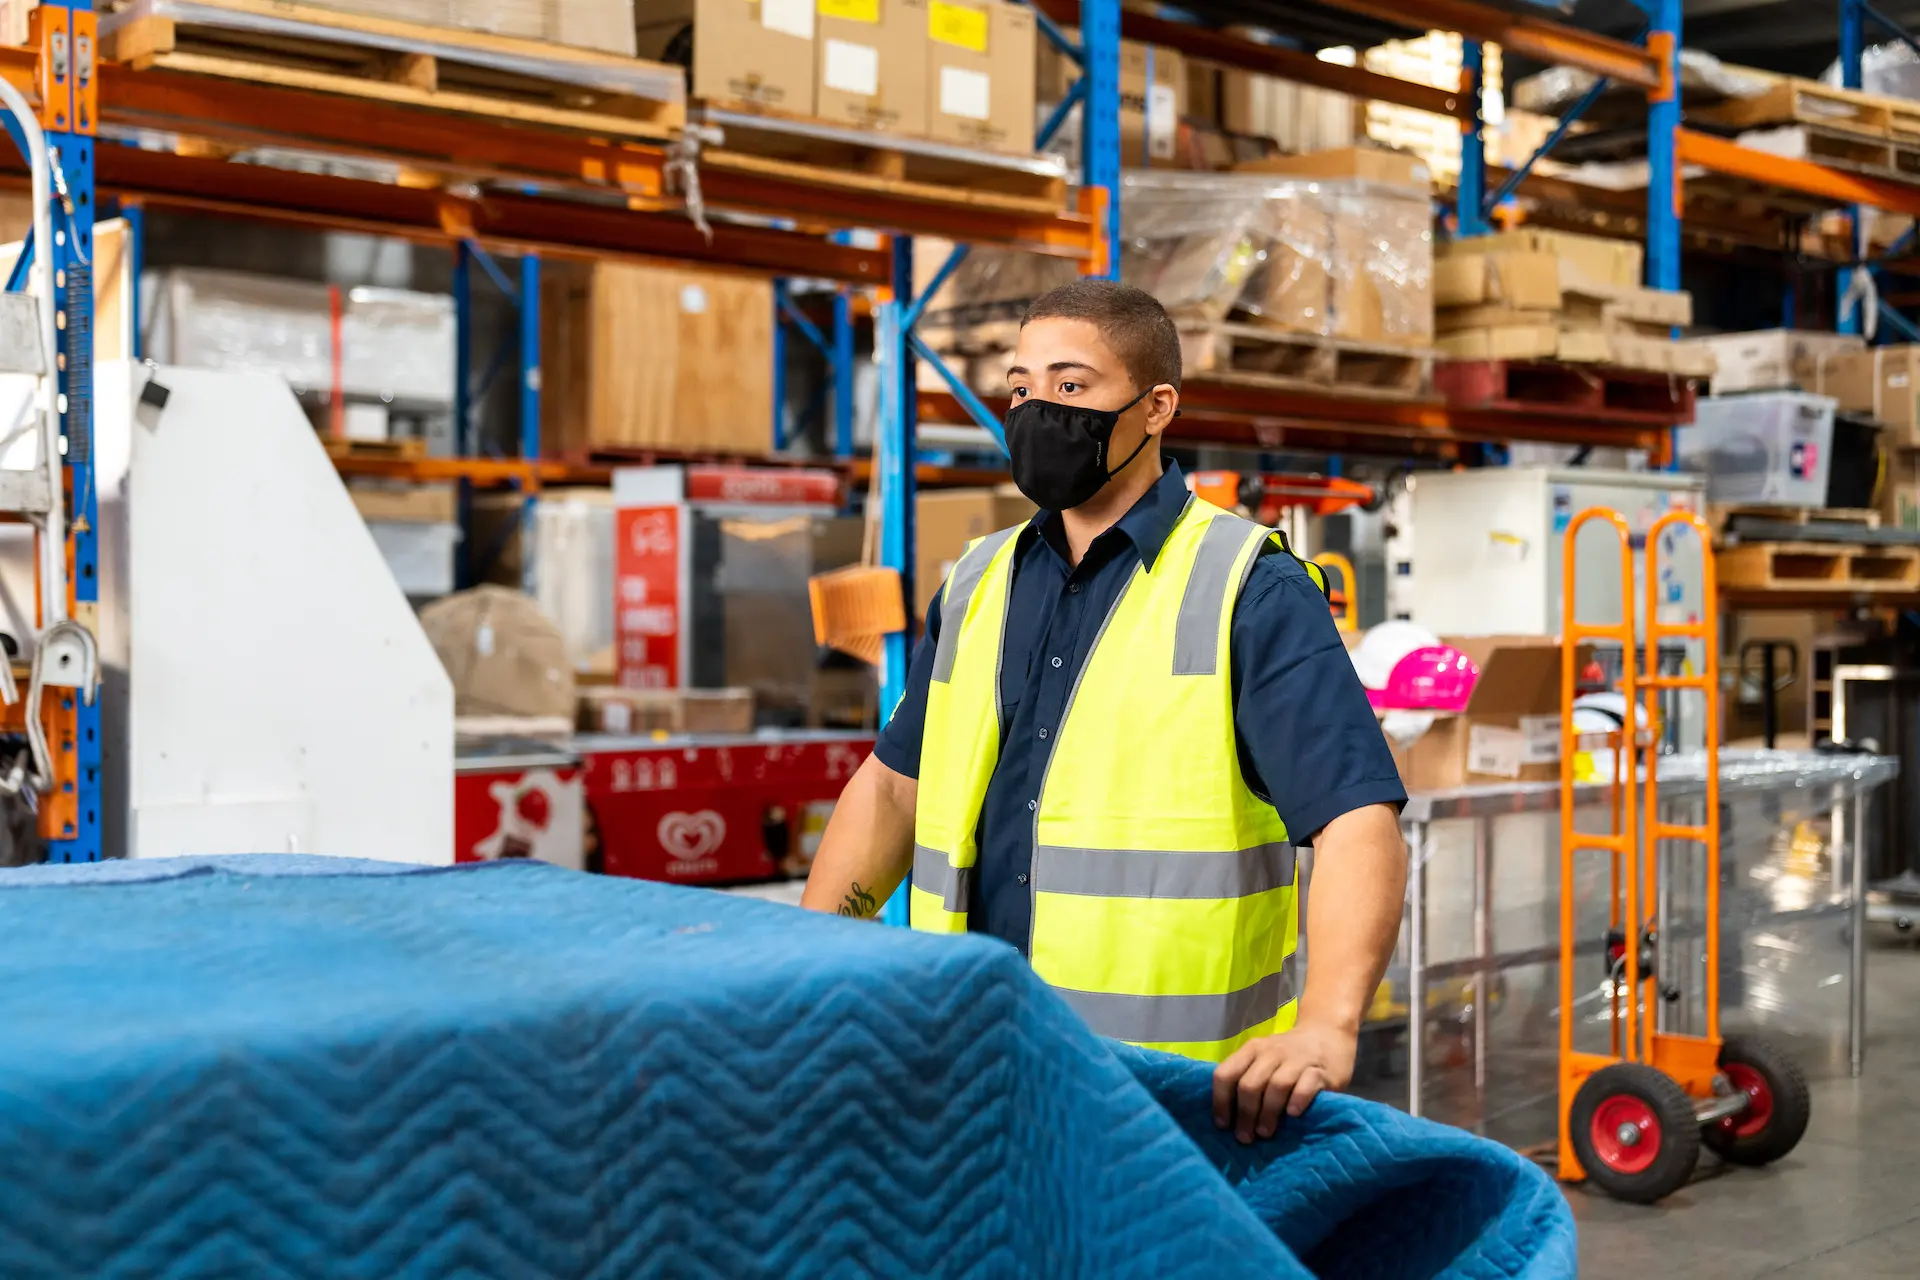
{"type": "Point", "coordinates": [682, 171]}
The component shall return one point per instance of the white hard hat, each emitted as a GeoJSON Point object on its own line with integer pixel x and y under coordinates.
{"type": "Point", "coordinates": [1381, 649]}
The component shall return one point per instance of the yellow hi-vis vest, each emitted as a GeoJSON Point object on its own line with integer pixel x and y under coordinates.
{"type": "Point", "coordinates": [1163, 888]}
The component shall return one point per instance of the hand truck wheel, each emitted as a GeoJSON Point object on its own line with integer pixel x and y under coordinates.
{"type": "Point", "coordinates": [1634, 1132]}
{"type": "Point", "coordinates": [1778, 1105]}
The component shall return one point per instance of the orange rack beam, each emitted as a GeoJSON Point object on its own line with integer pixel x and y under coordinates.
{"type": "Point", "coordinates": [1541, 39]}
{"type": "Point", "coordinates": [1736, 161]}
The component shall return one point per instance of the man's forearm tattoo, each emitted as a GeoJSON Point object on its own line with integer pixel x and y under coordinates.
{"type": "Point", "coordinates": [859, 904]}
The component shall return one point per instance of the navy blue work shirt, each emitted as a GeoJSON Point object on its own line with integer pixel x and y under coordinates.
{"type": "Point", "coordinates": [1308, 739]}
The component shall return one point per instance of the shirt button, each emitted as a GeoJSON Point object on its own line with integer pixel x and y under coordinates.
{"type": "Point", "coordinates": [1022, 877]}
{"type": "Point", "coordinates": [1032, 805]}
{"type": "Point", "coordinates": [1073, 588]}
{"type": "Point", "coordinates": [1043, 735]}
{"type": "Point", "coordinates": [1056, 662]}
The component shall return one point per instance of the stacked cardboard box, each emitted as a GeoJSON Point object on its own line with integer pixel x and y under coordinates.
{"type": "Point", "coordinates": [1884, 384]}
{"type": "Point", "coordinates": [946, 520]}
{"type": "Point", "coordinates": [603, 25]}
{"type": "Point", "coordinates": [665, 711]}
{"type": "Point", "coordinates": [1156, 97]}
{"type": "Point", "coordinates": [1337, 244]}
{"type": "Point", "coordinates": [952, 70]}
{"type": "Point", "coordinates": [1776, 359]}
{"type": "Point", "coordinates": [1538, 295]}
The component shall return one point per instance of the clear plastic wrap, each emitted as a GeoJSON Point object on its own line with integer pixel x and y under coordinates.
{"type": "Point", "coordinates": [1786, 905]}
{"type": "Point", "coordinates": [989, 285]}
{"type": "Point", "coordinates": [1703, 77]}
{"type": "Point", "coordinates": [395, 344]}
{"type": "Point", "coordinates": [1891, 69]}
{"type": "Point", "coordinates": [1350, 259]}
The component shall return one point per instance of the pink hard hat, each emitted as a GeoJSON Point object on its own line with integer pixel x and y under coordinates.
{"type": "Point", "coordinates": [1434, 678]}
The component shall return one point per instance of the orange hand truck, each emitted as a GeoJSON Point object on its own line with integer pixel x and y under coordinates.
{"type": "Point", "coordinates": [1633, 1120]}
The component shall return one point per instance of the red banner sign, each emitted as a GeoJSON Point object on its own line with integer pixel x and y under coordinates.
{"type": "Point", "coordinates": [647, 603]}
{"type": "Point", "coordinates": [763, 486]}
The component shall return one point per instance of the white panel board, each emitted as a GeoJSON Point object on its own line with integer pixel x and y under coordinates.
{"type": "Point", "coordinates": [280, 693]}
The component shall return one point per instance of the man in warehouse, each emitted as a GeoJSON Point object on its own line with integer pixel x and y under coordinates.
{"type": "Point", "coordinates": [1123, 718]}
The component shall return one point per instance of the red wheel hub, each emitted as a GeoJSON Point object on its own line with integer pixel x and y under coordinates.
{"type": "Point", "coordinates": [1626, 1134]}
{"type": "Point", "coordinates": [1759, 1101]}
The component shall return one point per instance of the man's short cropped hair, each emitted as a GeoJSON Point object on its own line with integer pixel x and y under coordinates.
{"type": "Point", "coordinates": [1130, 320]}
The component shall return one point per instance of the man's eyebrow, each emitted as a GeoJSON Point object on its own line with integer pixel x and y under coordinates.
{"type": "Point", "coordinates": [1061, 366]}
{"type": "Point", "coordinates": [1019, 368]}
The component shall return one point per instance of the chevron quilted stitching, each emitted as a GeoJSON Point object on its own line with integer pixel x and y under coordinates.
{"type": "Point", "coordinates": [521, 1072]}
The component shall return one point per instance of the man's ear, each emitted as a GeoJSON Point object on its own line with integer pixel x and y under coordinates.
{"type": "Point", "coordinates": [1162, 403]}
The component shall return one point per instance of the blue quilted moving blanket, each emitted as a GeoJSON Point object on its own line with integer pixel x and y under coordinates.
{"type": "Point", "coordinates": [322, 1068]}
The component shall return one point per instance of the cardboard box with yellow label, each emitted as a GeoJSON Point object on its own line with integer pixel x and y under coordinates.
{"type": "Point", "coordinates": [746, 53]}
{"type": "Point", "coordinates": [980, 63]}
{"type": "Point", "coordinates": [872, 60]}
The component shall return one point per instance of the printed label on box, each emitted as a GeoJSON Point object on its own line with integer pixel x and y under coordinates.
{"type": "Point", "coordinates": [852, 68]}
{"type": "Point", "coordinates": [1163, 121]}
{"type": "Point", "coordinates": [961, 26]}
{"type": "Point", "coordinates": [1543, 739]}
{"type": "Point", "coordinates": [1495, 752]}
{"type": "Point", "coordinates": [851, 10]}
{"type": "Point", "coordinates": [965, 93]}
{"type": "Point", "coordinates": [789, 17]}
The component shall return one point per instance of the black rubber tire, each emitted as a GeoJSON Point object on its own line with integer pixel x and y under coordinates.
{"type": "Point", "coordinates": [1678, 1136]}
{"type": "Point", "coordinates": [1790, 1106]}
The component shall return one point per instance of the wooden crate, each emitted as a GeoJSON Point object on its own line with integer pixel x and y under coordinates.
{"type": "Point", "coordinates": [662, 358]}
{"type": "Point", "coordinates": [1804, 102]}
{"type": "Point", "coordinates": [439, 68]}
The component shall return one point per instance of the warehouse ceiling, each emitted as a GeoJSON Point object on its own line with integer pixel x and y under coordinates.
{"type": "Point", "coordinates": [1796, 37]}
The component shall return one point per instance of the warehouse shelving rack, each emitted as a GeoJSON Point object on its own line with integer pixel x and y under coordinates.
{"type": "Point", "coordinates": [559, 196]}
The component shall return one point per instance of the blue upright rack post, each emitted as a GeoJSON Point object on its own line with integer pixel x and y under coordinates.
{"type": "Point", "coordinates": [69, 125]}
{"type": "Point", "coordinates": [1100, 114]}
{"type": "Point", "coordinates": [1663, 167]}
{"type": "Point", "coordinates": [893, 477]}
{"type": "Point", "coordinates": [1853, 15]}
{"type": "Point", "coordinates": [529, 408]}
{"type": "Point", "coordinates": [1470, 215]}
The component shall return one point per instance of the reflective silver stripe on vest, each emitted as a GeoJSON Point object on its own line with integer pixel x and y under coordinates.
{"type": "Point", "coordinates": [934, 874]}
{"type": "Point", "coordinates": [1152, 873]}
{"type": "Point", "coordinates": [961, 584]}
{"type": "Point", "coordinates": [1183, 1019]}
{"type": "Point", "coordinates": [1196, 633]}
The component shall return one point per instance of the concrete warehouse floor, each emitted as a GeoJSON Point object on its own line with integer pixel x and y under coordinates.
{"type": "Point", "coordinates": [1843, 1204]}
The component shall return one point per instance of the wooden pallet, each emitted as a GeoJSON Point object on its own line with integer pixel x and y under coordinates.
{"type": "Point", "coordinates": [405, 448]}
{"type": "Point", "coordinates": [972, 338]}
{"type": "Point", "coordinates": [1903, 124]}
{"type": "Point", "coordinates": [438, 68]}
{"type": "Point", "coordinates": [857, 159]}
{"type": "Point", "coordinates": [1803, 102]}
{"type": "Point", "coordinates": [1253, 355]}
{"type": "Point", "coordinates": [1721, 516]}
{"type": "Point", "coordinates": [1628, 396]}
{"type": "Point", "coordinates": [1824, 145]}
{"type": "Point", "coordinates": [1820, 567]}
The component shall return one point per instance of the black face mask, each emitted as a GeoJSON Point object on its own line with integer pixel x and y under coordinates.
{"type": "Point", "coordinates": [1059, 451]}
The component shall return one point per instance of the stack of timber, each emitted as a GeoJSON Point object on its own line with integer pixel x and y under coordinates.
{"type": "Point", "coordinates": [1538, 295]}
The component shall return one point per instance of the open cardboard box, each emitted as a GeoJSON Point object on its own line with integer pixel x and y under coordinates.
{"type": "Point", "coordinates": [1510, 730]}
